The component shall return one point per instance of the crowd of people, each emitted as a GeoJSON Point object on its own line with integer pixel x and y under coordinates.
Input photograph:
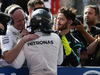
{"type": "Point", "coordinates": [42, 45]}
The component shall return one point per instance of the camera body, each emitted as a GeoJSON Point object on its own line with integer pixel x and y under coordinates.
{"type": "Point", "coordinates": [77, 19]}
{"type": "Point", "coordinates": [4, 19]}
{"type": "Point", "coordinates": [95, 30]}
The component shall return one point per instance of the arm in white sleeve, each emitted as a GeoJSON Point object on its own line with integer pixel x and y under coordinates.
{"type": "Point", "coordinates": [19, 61]}
{"type": "Point", "coordinates": [60, 56]}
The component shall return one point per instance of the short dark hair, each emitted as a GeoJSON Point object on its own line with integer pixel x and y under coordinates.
{"type": "Point", "coordinates": [32, 3]}
{"type": "Point", "coordinates": [69, 12]}
{"type": "Point", "coordinates": [96, 8]}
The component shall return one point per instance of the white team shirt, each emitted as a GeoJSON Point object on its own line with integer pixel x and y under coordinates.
{"type": "Point", "coordinates": [28, 24]}
{"type": "Point", "coordinates": [9, 40]}
{"type": "Point", "coordinates": [42, 55]}
{"type": "Point", "coordinates": [47, 3]}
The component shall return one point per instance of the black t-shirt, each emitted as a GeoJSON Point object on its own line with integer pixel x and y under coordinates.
{"type": "Point", "coordinates": [94, 59]}
{"type": "Point", "coordinates": [74, 57]}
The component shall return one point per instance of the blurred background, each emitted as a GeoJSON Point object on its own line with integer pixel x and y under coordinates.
{"type": "Point", "coordinates": [53, 5]}
{"type": "Point", "coordinates": [78, 4]}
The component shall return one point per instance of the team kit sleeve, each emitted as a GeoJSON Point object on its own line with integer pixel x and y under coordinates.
{"type": "Point", "coordinates": [60, 55]}
{"type": "Point", "coordinates": [6, 42]}
{"type": "Point", "coordinates": [19, 61]}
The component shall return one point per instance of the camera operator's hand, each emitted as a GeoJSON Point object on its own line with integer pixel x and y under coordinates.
{"type": "Point", "coordinates": [86, 35]}
{"type": "Point", "coordinates": [80, 27]}
{"type": "Point", "coordinates": [2, 29]}
{"type": "Point", "coordinates": [1, 26]}
{"type": "Point", "coordinates": [98, 38]}
{"type": "Point", "coordinates": [54, 25]}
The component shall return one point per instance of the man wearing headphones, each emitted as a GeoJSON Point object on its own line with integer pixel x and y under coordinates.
{"type": "Point", "coordinates": [13, 41]}
{"type": "Point", "coordinates": [44, 53]}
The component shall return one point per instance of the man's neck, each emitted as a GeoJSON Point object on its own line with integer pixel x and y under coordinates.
{"type": "Point", "coordinates": [89, 26]}
{"type": "Point", "coordinates": [64, 32]}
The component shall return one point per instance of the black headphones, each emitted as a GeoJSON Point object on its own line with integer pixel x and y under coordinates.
{"type": "Point", "coordinates": [12, 10]}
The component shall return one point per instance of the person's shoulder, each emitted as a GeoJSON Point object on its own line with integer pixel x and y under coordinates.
{"type": "Point", "coordinates": [8, 33]}
{"type": "Point", "coordinates": [54, 34]}
{"type": "Point", "coordinates": [9, 28]}
{"type": "Point", "coordinates": [98, 25]}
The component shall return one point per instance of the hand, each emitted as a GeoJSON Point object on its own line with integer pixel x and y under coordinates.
{"type": "Point", "coordinates": [24, 32]}
{"type": "Point", "coordinates": [1, 26]}
{"type": "Point", "coordinates": [80, 27]}
{"type": "Point", "coordinates": [54, 25]}
{"type": "Point", "coordinates": [29, 37]}
{"type": "Point", "coordinates": [98, 38]}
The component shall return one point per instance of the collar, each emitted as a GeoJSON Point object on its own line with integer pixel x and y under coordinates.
{"type": "Point", "coordinates": [39, 33]}
{"type": "Point", "coordinates": [13, 29]}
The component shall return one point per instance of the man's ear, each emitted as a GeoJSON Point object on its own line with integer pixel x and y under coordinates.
{"type": "Point", "coordinates": [30, 11]}
{"type": "Point", "coordinates": [70, 22]}
{"type": "Point", "coordinates": [97, 16]}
